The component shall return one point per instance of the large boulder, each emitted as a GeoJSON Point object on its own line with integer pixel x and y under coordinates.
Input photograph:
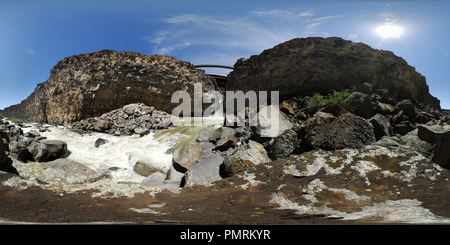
{"type": "Point", "coordinates": [245, 157]}
{"type": "Point", "coordinates": [65, 171]}
{"type": "Point", "coordinates": [283, 145]}
{"type": "Point", "coordinates": [359, 104]}
{"type": "Point", "coordinates": [380, 126]}
{"type": "Point", "coordinates": [440, 136]}
{"type": "Point", "coordinates": [88, 85]}
{"type": "Point", "coordinates": [205, 172]}
{"type": "Point", "coordinates": [329, 132]}
{"type": "Point", "coordinates": [303, 66]}
{"type": "Point", "coordinates": [187, 156]}
{"type": "Point", "coordinates": [55, 148]}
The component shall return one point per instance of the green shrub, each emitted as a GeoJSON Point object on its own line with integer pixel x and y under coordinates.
{"type": "Point", "coordinates": [318, 100]}
{"type": "Point", "coordinates": [338, 97]}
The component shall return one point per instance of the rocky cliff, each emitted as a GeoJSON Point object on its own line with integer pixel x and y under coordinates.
{"type": "Point", "coordinates": [303, 66]}
{"type": "Point", "coordinates": [88, 85]}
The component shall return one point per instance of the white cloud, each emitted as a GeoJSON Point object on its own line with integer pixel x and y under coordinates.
{"type": "Point", "coordinates": [224, 39]}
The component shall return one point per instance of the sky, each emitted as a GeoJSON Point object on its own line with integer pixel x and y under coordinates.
{"type": "Point", "coordinates": [36, 34]}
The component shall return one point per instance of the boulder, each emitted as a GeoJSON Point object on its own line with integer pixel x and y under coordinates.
{"type": "Point", "coordinates": [56, 148]}
{"type": "Point", "coordinates": [158, 180]}
{"type": "Point", "coordinates": [20, 150]}
{"type": "Point", "coordinates": [408, 109]}
{"type": "Point", "coordinates": [143, 169]}
{"type": "Point", "coordinates": [101, 125]}
{"type": "Point", "coordinates": [403, 128]}
{"type": "Point", "coordinates": [331, 132]}
{"type": "Point", "coordinates": [223, 139]}
{"type": "Point", "coordinates": [359, 104]}
{"type": "Point", "coordinates": [245, 157]}
{"type": "Point", "coordinates": [413, 141]}
{"type": "Point", "coordinates": [380, 126]}
{"type": "Point", "coordinates": [32, 134]}
{"type": "Point", "coordinates": [187, 156]}
{"type": "Point", "coordinates": [154, 180]}
{"type": "Point", "coordinates": [440, 136]}
{"type": "Point", "coordinates": [205, 172]}
{"type": "Point", "coordinates": [65, 171]}
{"type": "Point", "coordinates": [39, 151]}
{"type": "Point", "coordinates": [271, 123]}
{"type": "Point", "coordinates": [283, 145]}
{"type": "Point", "coordinates": [100, 141]}
{"type": "Point", "coordinates": [383, 108]}
{"type": "Point", "coordinates": [203, 135]}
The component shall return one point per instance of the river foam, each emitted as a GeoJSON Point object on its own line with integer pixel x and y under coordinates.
{"type": "Point", "coordinates": [117, 157]}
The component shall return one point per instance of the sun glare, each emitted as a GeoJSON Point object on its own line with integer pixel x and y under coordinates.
{"type": "Point", "coordinates": [387, 31]}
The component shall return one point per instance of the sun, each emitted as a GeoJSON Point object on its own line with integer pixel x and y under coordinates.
{"type": "Point", "coordinates": [387, 31]}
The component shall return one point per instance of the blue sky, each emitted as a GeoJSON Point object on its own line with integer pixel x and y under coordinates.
{"type": "Point", "coordinates": [35, 35]}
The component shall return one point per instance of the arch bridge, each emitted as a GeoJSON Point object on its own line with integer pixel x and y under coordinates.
{"type": "Point", "coordinates": [220, 79]}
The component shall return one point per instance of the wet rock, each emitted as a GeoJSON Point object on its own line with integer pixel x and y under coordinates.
{"type": "Point", "coordinates": [143, 169]}
{"type": "Point", "coordinates": [245, 157]}
{"type": "Point", "coordinates": [56, 148]}
{"type": "Point", "coordinates": [187, 156]}
{"type": "Point", "coordinates": [39, 151]}
{"type": "Point", "coordinates": [100, 141]}
{"type": "Point", "coordinates": [331, 132]}
{"type": "Point", "coordinates": [205, 172]}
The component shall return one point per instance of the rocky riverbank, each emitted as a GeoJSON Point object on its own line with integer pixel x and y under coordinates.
{"type": "Point", "coordinates": [358, 150]}
{"type": "Point", "coordinates": [392, 180]}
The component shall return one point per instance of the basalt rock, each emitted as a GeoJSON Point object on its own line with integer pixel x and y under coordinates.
{"type": "Point", "coordinates": [303, 66]}
{"type": "Point", "coordinates": [88, 85]}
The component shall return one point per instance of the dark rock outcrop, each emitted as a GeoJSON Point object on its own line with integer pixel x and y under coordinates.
{"type": "Point", "coordinates": [328, 132]}
{"type": "Point", "coordinates": [303, 66]}
{"type": "Point", "coordinates": [87, 85]}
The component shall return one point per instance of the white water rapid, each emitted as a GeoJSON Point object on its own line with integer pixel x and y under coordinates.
{"type": "Point", "coordinates": [118, 156]}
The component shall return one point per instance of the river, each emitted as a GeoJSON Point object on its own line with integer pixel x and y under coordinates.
{"type": "Point", "coordinates": [117, 157]}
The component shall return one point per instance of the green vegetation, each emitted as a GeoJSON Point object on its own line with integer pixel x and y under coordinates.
{"type": "Point", "coordinates": [14, 119]}
{"type": "Point", "coordinates": [319, 100]}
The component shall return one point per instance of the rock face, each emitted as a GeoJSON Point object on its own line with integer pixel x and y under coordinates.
{"type": "Point", "coordinates": [87, 85]}
{"type": "Point", "coordinates": [303, 66]}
